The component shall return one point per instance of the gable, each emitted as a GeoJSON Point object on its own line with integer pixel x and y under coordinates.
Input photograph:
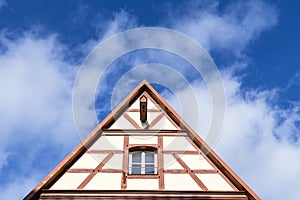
{"type": "Point", "coordinates": [182, 161]}
{"type": "Point", "coordinates": [157, 118]}
{"type": "Point", "coordinates": [184, 167]}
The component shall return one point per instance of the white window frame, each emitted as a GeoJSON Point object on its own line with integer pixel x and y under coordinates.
{"type": "Point", "coordinates": [143, 161]}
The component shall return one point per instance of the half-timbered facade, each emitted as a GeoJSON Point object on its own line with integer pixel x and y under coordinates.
{"type": "Point", "coordinates": [143, 149]}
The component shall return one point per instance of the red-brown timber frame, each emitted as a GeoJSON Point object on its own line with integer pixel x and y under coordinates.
{"type": "Point", "coordinates": [245, 192]}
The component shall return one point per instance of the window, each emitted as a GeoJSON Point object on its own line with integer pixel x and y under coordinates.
{"type": "Point", "coordinates": [142, 161]}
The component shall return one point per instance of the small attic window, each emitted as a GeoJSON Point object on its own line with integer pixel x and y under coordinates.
{"type": "Point", "coordinates": [143, 109]}
{"type": "Point", "coordinates": [142, 160]}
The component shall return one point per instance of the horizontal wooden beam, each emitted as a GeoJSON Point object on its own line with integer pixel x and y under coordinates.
{"type": "Point", "coordinates": [144, 131]}
{"type": "Point", "coordinates": [80, 170]}
{"type": "Point", "coordinates": [142, 145]}
{"type": "Point", "coordinates": [190, 172]}
{"type": "Point", "coordinates": [142, 176]}
{"type": "Point", "coordinates": [105, 151]}
{"type": "Point", "coordinates": [143, 194]}
{"type": "Point", "coordinates": [148, 110]}
{"type": "Point", "coordinates": [77, 170]}
{"type": "Point", "coordinates": [183, 171]}
{"type": "Point", "coordinates": [182, 152]}
{"type": "Point", "coordinates": [95, 171]}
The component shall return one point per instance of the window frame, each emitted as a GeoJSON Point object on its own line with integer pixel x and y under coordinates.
{"type": "Point", "coordinates": [142, 151]}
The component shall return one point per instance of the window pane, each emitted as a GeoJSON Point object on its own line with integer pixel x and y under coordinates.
{"type": "Point", "coordinates": [136, 169]}
{"type": "Point", "coordinates": [149, 169]}
{"type": "Point", "coordinates": [149, 157]}
{"type": "Point", "coordinates": [136, 157]}
{"type": "Point", "coordinates": [142, 162]}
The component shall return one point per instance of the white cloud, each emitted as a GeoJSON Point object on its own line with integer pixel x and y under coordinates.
{"type": "Point", "coordinates": [250, 141]}
{"type": "Point", "coordinates": [106, 28]}
{"type": "Point", "coordinates": [18, 189]}
{"type": "Point", "coordinates": [36, 83]}
{"type": "Point", "coordinates": [232, 29]}
{"type": "Point", "coordinates": [255, 140]}
{"type": "Point", "coordinates": [260, 140]}
{"type": "Point", "coordinates": [36, 110]}
{"type": "Point", "coordinates": [36, 96]}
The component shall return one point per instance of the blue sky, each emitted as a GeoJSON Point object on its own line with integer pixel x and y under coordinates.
{"type": "Point", "coordinates": [254, 44]}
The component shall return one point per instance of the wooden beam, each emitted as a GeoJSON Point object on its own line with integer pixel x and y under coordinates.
{"type": "Point", "coordinates": [95, 171]}
{"type": "Point", "coordinates": [182, 152]}
{"type": "Point", "coordinates": [190, 172]}
{"type": "Point", "coordinates": [143, 176]}
{"type": "Point", "coordinates": [156, 120]}
{"type": "Point", "coordinates": [228, 181]}
{"type": "Point", "coordinates": [145, 134]}
{"type": "Point", "coordinates": [160, 163]}
{"type": "Point", "coordinates": [80, 170]}
{"type": "Point", "coordinates": [143, 145]}
{"type": "Point", "coordinates": [105, 131]}
{"type": "Point", "coordinates": [148, 110]}
{"type": "Point", "coordinates": [110, 171]}
{"type": "Point", "coordinates": [205, 171]}
{"type": "Point", "coordinates": [105, 151]}
{"type": "Point", "coordinates": [142, 194]}
{"type": "Point", "coordinates": [125, 163]}
{"type": "Point", "coordinates": [83, 170]}
{"type": "Point", "coordinates": [136, 125]}
{"type": "Point", "coordinates": [175, 171]}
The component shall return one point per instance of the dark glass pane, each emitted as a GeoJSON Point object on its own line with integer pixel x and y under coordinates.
{"type": "Point", "coordinates": [149, 169]}
{"type": "Point", "coordinates": [136, 169]}
{"type": "Point", "coordinates": [136, 157]}
{"type": "Point", "coordinates": [149, 157]}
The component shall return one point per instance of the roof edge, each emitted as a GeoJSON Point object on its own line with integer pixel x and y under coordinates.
{"type": "Point", "coordinates": [96, 133]}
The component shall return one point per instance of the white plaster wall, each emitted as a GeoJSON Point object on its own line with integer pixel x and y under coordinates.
{"type": "Point", "coordinates": [122, 123]}
{"type": "Point", "coordinates": [214, 182]}
{"type": "Point", "coordinates": [180, 182]}
{"type": "Point", "coordinates": [115, 162]}
{"type": "Point", "coordinates": [164, 124]}
{"type": "Point", "coordinates": [177, 143]}
{"type": "Point", "coordinates": [142, 184]}
{"type": "Point", "coordinates": [196, 161]}
{"type": "Point", "coordinates": [88, 161]}
{"type": "Point", "coordinates": [69, 181]}
{"type": "Point", "coordinates": [152, 115]}
{"type": "Point", "coordinates": [170, 162]}
{"type": "Point", "coordinates": [143, 140]}
{"type": "Point", "coordinates": [105, 181]}
{"type": "Point", "coordinates": [108, 143]}
{"type": "Point", "coordinates": [151, 105]}
{"type": "Point", "coordinates": [135, 116]}
{"type": "Point", "coordinates": [135, 105]}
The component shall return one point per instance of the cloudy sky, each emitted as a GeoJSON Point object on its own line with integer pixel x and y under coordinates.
{"type": "Point", "coordinates": [254, 44]}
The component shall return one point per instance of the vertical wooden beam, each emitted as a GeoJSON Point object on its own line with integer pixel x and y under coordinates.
{"type": "Point", "coordinates": [143, 109]}
{"type": "Point", "coordinates": [160, 158]}
{"type": "Point", "coordinates": [125, 163]}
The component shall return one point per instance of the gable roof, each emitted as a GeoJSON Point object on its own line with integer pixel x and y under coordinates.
{"type": "Point", "coordinates": [144, 86]}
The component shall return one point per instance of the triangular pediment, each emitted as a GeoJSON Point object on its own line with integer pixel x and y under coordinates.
{"type": "Point", "coordinates": [145, 147]}
{"type": "Point", "coordinates": [157, 119]}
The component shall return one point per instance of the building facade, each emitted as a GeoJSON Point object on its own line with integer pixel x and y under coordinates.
{"type": "Point", "coordinates": [143, 149]}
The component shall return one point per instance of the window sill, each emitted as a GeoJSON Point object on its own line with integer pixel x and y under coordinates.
{"type": "Point", "coordinates": [143, 176]}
